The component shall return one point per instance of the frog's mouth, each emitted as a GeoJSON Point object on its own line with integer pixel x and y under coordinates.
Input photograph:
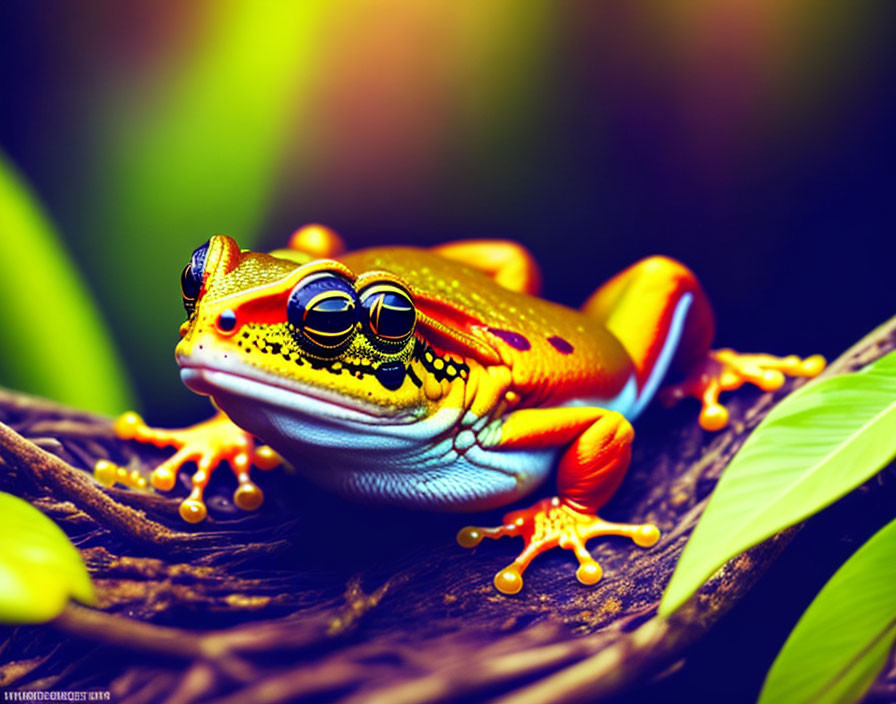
{"type": "Point", "coordinates": [231, 388]}
{"type": "Point", "coordinates": [301, 421]}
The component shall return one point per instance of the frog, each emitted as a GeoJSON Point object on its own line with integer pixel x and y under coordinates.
{"type": "Point", "coordinates": [438, 379]}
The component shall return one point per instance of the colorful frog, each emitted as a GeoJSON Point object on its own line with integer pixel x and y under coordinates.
{"type": "Point", "coordinates": [437, 379]}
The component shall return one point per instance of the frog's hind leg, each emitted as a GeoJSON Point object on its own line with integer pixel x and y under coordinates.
{"type": "Point", "coordinates": [659, 312]}
{"type": "Point", "coordinates": [510, 264]}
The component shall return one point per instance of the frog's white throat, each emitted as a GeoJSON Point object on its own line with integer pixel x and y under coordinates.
{"type": "Point", "coordinates": [416, 462]}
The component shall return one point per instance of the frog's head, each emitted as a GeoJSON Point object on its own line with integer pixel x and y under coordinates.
{"type": "Point", "coordinates": [313, 346]}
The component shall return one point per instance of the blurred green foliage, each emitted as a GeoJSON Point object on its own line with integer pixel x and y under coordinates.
{"type": "Point", "coordinates": [53, 341]}
{"type": "Point", "coordinates": [184, 155]}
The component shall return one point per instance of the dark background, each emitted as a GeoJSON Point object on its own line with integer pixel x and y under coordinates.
{"type": "Point", "coordinates": [752, 141]}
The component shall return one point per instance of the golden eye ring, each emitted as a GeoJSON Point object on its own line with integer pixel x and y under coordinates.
{"type": "Point", "coordinates": [323, 311]}
{"type": "Point", "coordinates": [387, 314]}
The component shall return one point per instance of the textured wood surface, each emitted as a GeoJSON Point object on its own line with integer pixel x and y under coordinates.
{"type": "Point", "coordinates": [313, 597]}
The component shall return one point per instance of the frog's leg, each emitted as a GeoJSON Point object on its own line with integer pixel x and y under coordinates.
{"type": "Point", "coordinates": [311, 242]}
{"type": "Point", "coordinates": [590, 471]}
{"type": "Point", "coordinates": [659, 312]}
{"type": "Point", "coordinates": [510, 265]}
{"type": "Point", "coordinates": [207, 444]}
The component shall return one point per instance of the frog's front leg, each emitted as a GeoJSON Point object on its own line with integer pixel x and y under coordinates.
{"type": "Point", "coordinates": [590, 471]}
{"type": "Point", "coordinates": [208, 444]}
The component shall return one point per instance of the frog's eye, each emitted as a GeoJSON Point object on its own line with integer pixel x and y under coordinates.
{"type": "Point", "coordinates": [191, 278]}
{"type": "Point", "coordinates": [323, 309]}
{"type": "Point", "coordinates": [388, 313]}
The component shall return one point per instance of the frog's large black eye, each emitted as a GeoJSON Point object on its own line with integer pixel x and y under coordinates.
{"type": "Point", "coordinates": [191, 278]}
{"type": "Point", "coordinates": [324, 311]}
{"type": "Point", "coordinates": [388, 313]}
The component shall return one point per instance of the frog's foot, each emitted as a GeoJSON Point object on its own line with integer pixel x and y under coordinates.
{"type": "Point", "coordinates": [726, 370]}
{"type": "Point", "coordinates": [207, 444]}
{"type": "Point", "coordinates": [549, 524]}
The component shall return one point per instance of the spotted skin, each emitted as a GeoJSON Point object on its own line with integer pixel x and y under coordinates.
{"type": "Point", "coordinates": [561, 345]}
{"type": "Point", "coordinates": [468, 402]}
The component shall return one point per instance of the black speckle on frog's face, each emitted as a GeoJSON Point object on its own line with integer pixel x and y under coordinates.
{"type": "Point", "coordinates": [391, 374]}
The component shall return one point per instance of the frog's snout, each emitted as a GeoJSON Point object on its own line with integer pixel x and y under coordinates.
{"type": "Point", "coordinates": [199, 351]}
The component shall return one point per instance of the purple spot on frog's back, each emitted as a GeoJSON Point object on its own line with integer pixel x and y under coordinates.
{"type": "Point", "coordinates": [514, 339]}
{"type": "Point", "coordinates": [561, 345]}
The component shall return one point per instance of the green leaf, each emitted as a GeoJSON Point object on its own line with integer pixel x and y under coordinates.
{"type": "Point", "coordinates": [40, 570]}
{"type": "Point", "coordinates": [54, 342]}
{"type": "Point", "coordinates": [818, 444]}
{"type": "Point", "coordinates": [842, 641]}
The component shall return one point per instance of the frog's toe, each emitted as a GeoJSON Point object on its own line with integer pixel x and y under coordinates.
{"type": "Point", "coordinates": [130, 426]}
{"type": "Point", "coordinates": [509, 580]}
{"type": "Point", "coordinates": [589, 572]}
{"type": "Point", "coordinates": [164, 477]}
{"type": "Point", "coordinates": [247, 495]}
{"type": "Point", "coordinates": [108, 474]}
{"type": "Point", "coordinates": [548, 524]}
{"type": "Point", "coordinates": [264, 458]}
{"type": "Point", "coordinates": [193, 509]}
{"type": "Point", "coordinates": [471, 536]}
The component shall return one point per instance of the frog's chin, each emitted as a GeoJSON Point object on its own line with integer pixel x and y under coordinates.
{"type": "Point", "coordinates": [235, 393]}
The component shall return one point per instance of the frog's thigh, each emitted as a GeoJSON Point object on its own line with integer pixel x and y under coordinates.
{"type": "Point", "coordinates": [642, 305]}
{"type": "Point", "coordinates": [511, 265]}
{"type": "Point", "coordinates": [593, 465]}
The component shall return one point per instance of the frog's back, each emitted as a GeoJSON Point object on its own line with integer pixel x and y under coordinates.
{"type": "Point", "coordinates": [555, 353]}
